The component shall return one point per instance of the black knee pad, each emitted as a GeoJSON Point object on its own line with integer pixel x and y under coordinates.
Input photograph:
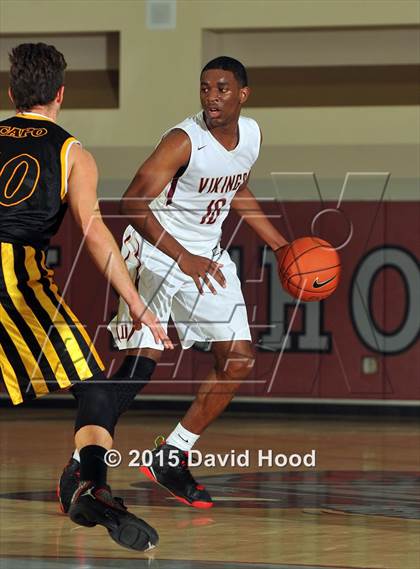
{"type": "Point", "coordinates": [97, 404]}
{"type": "Point", "coordinates": [133, 375]}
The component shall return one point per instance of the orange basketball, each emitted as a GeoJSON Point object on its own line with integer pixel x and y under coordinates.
{"type": "Point", "coordinates": [309, 269]}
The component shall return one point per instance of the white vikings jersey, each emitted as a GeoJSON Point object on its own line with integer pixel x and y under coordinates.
{"type": "Point", "coordinates": [193, 206]}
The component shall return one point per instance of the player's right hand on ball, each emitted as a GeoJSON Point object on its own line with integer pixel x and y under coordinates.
{"type": "Point", "coordinates": [199, 268]}
{"type": "Point", "coordinates": [145, 316]}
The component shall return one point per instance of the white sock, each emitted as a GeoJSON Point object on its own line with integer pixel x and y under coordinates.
{"type": "Point", "coordinates": [76, 455]}
{"type": "Point", "coordinates": [182, 439]}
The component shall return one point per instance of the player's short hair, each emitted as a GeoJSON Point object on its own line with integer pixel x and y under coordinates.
{"type": "Point", "coordinates": [229, 64]}
{"type": "Point", "coordinates": [36, 74]}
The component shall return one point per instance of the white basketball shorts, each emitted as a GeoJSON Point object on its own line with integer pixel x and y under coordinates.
{"type": "Point", "coordinates": [169, 292]}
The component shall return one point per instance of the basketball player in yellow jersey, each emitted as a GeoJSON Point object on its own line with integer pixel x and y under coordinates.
{"type": "Point", "coordinates": [43, 346]}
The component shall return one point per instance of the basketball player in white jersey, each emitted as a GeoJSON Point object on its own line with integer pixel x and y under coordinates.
{"type": "Point", "coordinates": [176, 204]}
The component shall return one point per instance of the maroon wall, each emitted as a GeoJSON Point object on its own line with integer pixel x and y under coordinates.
{"type": "Point", "coordinates": [375, 313]}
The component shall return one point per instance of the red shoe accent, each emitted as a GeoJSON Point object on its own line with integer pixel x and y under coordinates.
{"type": "Point", "coordinates": [147, 473]}
{"type": "Point", "coordinates": [196, 504]}
{"type": "Point", "coordinates": [57, 491]}
{"type": "Point", "coordinates": [202, 505]}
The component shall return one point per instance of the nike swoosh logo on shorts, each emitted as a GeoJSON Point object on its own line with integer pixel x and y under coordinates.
{"type": "Point", "coordinates": [200, 147]}
{"type": "Point", "coordinates": [317, 284]}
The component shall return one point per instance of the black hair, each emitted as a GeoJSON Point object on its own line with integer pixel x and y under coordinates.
{"type": "Point", "coordinates": [36, 74]}
{"type": "Point", "coordinates": [229, 64]}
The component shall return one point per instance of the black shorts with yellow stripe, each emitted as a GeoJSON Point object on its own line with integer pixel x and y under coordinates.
{"type": "Point", "coordinates": [43, 346]}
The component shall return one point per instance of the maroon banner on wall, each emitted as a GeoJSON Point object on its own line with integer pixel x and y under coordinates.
{"type": "Point", "coordinates": [361, 343]}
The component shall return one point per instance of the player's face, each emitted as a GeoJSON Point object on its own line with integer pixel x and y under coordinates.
{"type": "Point", "coordinates": [221, 97]}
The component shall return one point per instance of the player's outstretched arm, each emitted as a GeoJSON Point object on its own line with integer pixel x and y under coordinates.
{"type": "Point", "coordinates": [82, 183]}
{"type": "Point", "coordinates": [247, 207]}
{"type": "Point", "coordinates": [172, 154]}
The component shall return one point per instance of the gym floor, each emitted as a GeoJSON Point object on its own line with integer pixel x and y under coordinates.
{"type": "Point", "coordinates": [358, 507]}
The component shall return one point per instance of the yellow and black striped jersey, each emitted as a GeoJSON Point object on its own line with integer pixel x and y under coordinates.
{"type": "Point", "coordinates": [33, 178]}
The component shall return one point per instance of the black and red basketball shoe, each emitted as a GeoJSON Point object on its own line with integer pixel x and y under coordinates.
{"type": "Point", "coordinates": [68, 484]}
{"type": "Point", "coordinates": [92, 505]}
{"type": "Point", "coordinates": [169, 468]}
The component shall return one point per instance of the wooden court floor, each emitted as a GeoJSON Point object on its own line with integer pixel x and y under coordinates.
{"type": "Point", "coordinates": [359, 507]}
